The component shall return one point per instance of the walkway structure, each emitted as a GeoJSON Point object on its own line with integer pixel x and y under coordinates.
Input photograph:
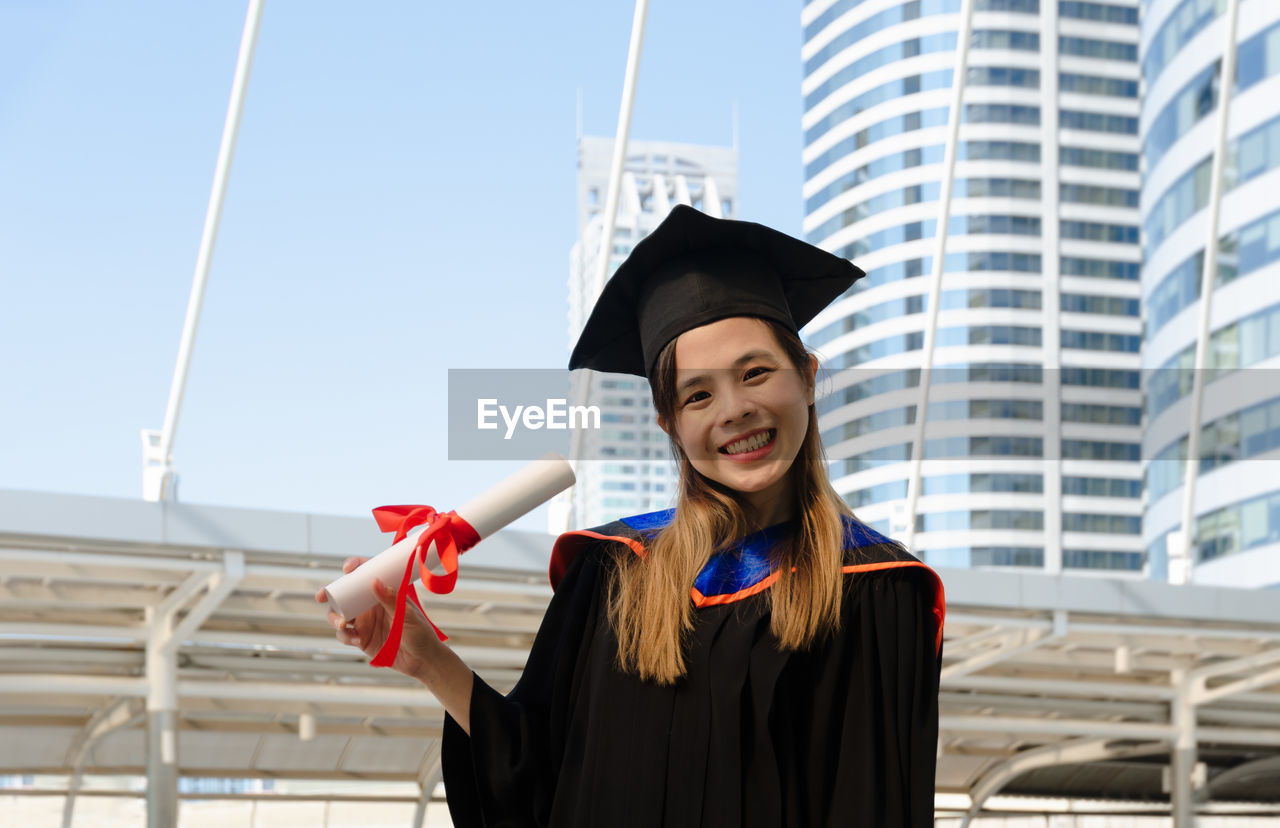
{"type": "Point", "coordinates": [1072, 687]}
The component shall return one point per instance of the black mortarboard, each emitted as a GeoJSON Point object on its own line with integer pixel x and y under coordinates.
{"type": "Point", "coordinates": [694, 269]}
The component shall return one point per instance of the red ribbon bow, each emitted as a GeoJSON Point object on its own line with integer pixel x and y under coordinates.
{"type": "Point", "coordinates": [452, 536]}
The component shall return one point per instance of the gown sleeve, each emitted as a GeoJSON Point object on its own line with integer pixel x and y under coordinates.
{"type": "Point", "coordinates": [887, 755]}
{"type": "Point", "coordinates": [504, 774]}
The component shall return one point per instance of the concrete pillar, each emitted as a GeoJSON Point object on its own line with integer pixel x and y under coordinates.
{"type": "Point", "coordinates": [162, 768]}
{"type": "Point", "coordinates": [1182, 764]}
{"type": "Point", "coordinates": [162, 728]}
{"type": "Point", "coordinates": [420, 810]}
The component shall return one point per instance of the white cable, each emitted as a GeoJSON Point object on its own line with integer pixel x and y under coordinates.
{"type": "Point", "coordinates": [956, 113]}
{"type": "Point", "coordinates": [1180, 563]}
{"type": "Point", "coordinates": [213, 214]}
{"type": "Point", "coordinates": [610, 216]}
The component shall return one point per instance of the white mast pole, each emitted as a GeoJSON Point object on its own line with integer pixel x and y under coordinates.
{"type": "Point", "coordinates": [610, 216]}
{"type": "Point", "coordinates": [157, 474]}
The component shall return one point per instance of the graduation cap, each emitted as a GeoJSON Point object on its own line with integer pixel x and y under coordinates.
{"type": "Point", "coordinates": [695, 269]}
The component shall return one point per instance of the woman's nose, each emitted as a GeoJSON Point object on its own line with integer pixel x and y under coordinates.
{"type": "Point", "coordinates": [736, 407]}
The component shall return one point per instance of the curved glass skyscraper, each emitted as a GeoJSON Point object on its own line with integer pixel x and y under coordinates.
{"type": "Point", "coordinates": [1236, 508]}
{"type": "Point", "coordinates": [1032, 450]}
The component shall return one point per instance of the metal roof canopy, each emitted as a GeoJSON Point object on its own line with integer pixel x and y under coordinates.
{"type": "Point", "coordinates": [1069, 685]}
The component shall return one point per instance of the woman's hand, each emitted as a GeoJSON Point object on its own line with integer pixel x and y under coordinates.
{"type": "Point", "coordinates": [422, 654]}
{"type": "Point", "coordinates": [368, 630]}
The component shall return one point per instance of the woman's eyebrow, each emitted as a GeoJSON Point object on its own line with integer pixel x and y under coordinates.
{"type": "Point", "coordinates": [751, 356]}
{"type": "Point", "coordinates": [690, 382]}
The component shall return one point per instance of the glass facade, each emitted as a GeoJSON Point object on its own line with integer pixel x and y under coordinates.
{"type": "Point", "coordinates": [1239, 527]}
{"type": "Point", "coordinates": [1240, 344]}
{"type": "Point", "coordinates": [1240, 429]}
{"type": "Point", "coordinates": [1186, 21]}
{"type": "Point", "coordinates": [1000, 333]}
{"type": "Point", "coordinates": [1249, 156]}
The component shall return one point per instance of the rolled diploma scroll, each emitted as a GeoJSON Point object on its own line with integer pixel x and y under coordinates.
{"type": "Point", "coordinates": [487, 512]}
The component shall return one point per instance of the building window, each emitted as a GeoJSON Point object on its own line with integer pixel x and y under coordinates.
{"type": "Point", "coordinates": [1238, 345]}
{"type": "Point", "coordinates": [1002, 76]}
{"type": "Point", "coordinates": [1121, 415]}
{"type": "Point", "coordinates": [1182, 24]}
{"type": "Point", "coordinates": [1240, 252]}
{"type": "Point", "coordinates": [984, 446]}
{"type": "Point", "coordinates": [1018, 6]}
{"type": "Point", "coordinates": [990, 298]}
{"type": "Point", "coordinates": [1099, 159]}
{"type": "Point", "coordinates": [895, 490]}
{"type": "Point", "coordinates": [987, 410]}
{"type": "Point", "coordinates": [1102, 12]}
{"type": "Point", "coordinates": [1239, 527]}
{"type": "Point", "coordinates": [873, 169]}
{"type": "Point", "coordinates": [1101, 450]}
{"type": "Point", "coordinates": [964, 556]}
{"type": "Point", "coordinates": [1194, 101]}
{"type": "Point", "coordinates": [1108, 305]}
{"type": "Point", "coordinates": [996, 260]}
{"type": "Point", "coordinates": [1005, 39]}
{"type": "Point", "coordinates": [1101, 377]}
{"type": "Point", "coordinates": [1100, 341]}
{"type": "Point", "coordinates": [995, 113]}
{"type": "Point", "coordinates": [893, 418]}
{"type": "Point", "coordinates": [1258, 58]}
{"type": "Point", "coordinates": [1096, 231]}
{"type": "Point", "coordinates": [1118, 560]}
{"type": "Point", "coordinates": [1108, 524]}
{"type": "Point", "coordinates": [989, 335]}
{"type": "Point", "coordinates": [980, 225]}
{"type": "Point", "coordinates": [984, 482]}
{"type": "Point", "coordinates": [926, 82]}
{"type": "Point", "coordinates": [999, 151]}
{"type": "Point", "coordinates": [1016, 519]}
{"type": "Point", "coordinates": [1097, 85]}
{"type": "Point", "coordinates": [916, 46]}
{"type": "Point", "coordinates": [884, 455]}
{"type": "Point", "coordinates": [1106, 196]}
{"type": "Point", "coordinates": [1102, 487]}
{"type": "Point", "coordinates": [1097, 122]}
{"type": "Point", "coordinates": [1105, 49]}
{"type": "Point", "coordinates": [1098, 268]}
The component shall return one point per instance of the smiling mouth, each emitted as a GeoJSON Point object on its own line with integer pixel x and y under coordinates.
{"type": "Point", "coordinates": [751, 443]}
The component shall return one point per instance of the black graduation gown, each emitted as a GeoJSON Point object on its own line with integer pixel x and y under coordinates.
{"type": "Point", "coordinates": [844, 734]}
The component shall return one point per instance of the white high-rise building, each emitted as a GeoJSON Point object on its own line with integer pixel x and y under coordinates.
{"type": "Point", "coordinates": [1032, 451]}
{"type": "Point", "coordinates": [627, 466]}
{"type": "Point", "coordinates": [1236, 507]}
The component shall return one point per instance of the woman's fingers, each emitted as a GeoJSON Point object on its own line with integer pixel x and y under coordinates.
{"type": "Point", "coordinates": [349, 630]}
{"type": "Point", "coordinates": [385, 595]}
{"type": "Point", "coordinates": [346, 631]}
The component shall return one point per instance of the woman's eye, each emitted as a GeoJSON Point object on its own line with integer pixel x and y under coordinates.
{"type": "Point", "coordinates": [752, 373]}
{"type": "Point", "coordinates": [697, 396]}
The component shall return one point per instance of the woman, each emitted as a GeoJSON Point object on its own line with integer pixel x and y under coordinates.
{"type": "Point", "coordinates": [754, 657]}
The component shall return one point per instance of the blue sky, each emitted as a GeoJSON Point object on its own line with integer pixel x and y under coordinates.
{"type": "Point", "coordinates": [402, 203]}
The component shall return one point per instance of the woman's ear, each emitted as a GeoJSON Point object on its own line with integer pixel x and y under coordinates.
{"type": "Point", "coordinates": [812, 377]}
{"type": "Point", "coordinates": [662, 424]}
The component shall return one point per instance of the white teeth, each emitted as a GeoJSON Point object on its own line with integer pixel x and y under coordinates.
{"type": "Point", "coordinates": [749, 444]}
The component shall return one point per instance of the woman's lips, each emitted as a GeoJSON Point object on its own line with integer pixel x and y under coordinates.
{"type": "Point", "coordinates": [755, 453]}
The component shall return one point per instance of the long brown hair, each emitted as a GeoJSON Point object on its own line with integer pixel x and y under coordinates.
{"type": "Point", "coordinates": [650, 606]}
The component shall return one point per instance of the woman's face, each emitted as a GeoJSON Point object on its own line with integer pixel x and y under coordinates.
{"type": "Point", "coordinates": [742, 408]}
